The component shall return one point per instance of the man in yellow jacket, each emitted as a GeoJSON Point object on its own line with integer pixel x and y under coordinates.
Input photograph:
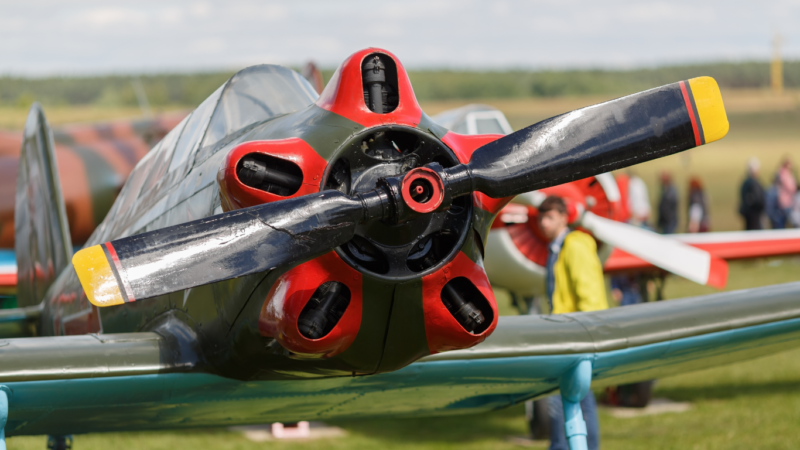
{"type": "Point", "coordinates": [574, 283]}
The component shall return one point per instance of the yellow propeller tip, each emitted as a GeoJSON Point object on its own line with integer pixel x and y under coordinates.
{"type": "Point", "coordinates": [97, 277]}
{"type": "Point", "coordinates": [707, 98]}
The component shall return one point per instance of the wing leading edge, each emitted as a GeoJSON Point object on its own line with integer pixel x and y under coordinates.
{"type": "Point", "coordinates": [523, 359]}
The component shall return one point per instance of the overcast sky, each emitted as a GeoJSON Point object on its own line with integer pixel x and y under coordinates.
{"type": "Point", "coordinates": [85, 36]}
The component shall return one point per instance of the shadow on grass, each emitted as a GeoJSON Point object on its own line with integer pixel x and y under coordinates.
{"type": "Point", "coordinates": [463, 428]}
{"type": "Point", "coordinates": [725, 391]}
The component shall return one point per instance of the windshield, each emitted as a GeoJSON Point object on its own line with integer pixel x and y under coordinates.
{"type": "Point", "coordinates": [193, 131]}
{"type": "Point", "coordinates": [162, 154]}
{"type": "Point", "coordinates": [474, 119]}
{"type": "Point", "coordinates": [254, 95]}
{"type": "Point", "coordinates": [489, 126]}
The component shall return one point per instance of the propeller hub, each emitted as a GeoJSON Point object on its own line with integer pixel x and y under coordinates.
{"type": "Point", "coordinates": [423, 190]}
{"type": "Point", "coordinates": [421, 242]}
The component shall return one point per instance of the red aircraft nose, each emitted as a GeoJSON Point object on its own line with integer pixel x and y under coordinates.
{"type": "Point", "coordinates": [315, 309]}
{"type": "Point", "coordinates": [345, 93]}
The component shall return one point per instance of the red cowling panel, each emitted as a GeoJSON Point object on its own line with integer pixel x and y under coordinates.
{"type": "Point", "coordinates": [237, 195]}
{"type": "Point", "coordinates": [441, 328]}
{"type": "Point", "coordinates": [344, 94]}
{"type": "Point", "coordinates": [463, 145]}
{"type": "Point", "coordinates": [292, 291]}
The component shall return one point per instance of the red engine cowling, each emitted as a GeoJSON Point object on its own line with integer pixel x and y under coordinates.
{"type": "Point", "coordinates": [442, 330]}
{"type": "Point", "coordinates": [453, 294]}
{"type": "Point", "coordinates": [283, 309]}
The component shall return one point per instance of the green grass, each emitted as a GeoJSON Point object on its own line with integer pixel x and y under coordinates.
{"type": "Point", "coordinates": [750, 405]}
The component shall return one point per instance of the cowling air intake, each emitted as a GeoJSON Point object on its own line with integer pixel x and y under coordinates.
{"type": "Point", "coordinates": [400, 210]}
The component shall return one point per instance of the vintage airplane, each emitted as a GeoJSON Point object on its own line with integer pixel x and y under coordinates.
{"type": "Point", "coordinates": [283, 256]}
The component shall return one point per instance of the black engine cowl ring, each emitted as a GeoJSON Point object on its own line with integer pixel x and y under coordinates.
{"type": "Point", "coordinates": [415, 247]}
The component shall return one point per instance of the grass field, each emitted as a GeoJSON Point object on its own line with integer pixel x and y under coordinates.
{"type": "Point", "coordinates": [749, 405]}
{"type": "Point", "coordinates": [13, 118]}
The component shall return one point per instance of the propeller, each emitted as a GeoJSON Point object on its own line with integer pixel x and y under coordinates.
{"type": "Point", "coordinates": [578, 144]}
{"type": "Point", "coordinates": [665, 253]}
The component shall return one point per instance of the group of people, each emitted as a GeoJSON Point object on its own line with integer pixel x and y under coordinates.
{"type": "Point", "coordinates": [667, 219]}
{"type": "Point", "coordinates": [640, 212]}
{"type": "Point", "coordinates": [780, 204]}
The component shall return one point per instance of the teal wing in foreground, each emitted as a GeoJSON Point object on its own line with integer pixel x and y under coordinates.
{"type": "Point", "coordinates": [151, 381]}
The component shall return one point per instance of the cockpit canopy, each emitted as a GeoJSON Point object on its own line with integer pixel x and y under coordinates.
{"type": "Point", "coordinates": [252, 96]}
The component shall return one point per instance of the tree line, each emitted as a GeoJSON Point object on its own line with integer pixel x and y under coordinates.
{"type": "Point", "coordinates": [189, 89]}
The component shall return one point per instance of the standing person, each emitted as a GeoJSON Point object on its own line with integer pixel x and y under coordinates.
{"type": "Point", "coordinates": [698, 207]}
{"type": "Point", "coordinates": [752, 200]}
{"type": "Point", "coordinates": [787, 187]}
{"type": "Point", "coordinates": [796, 208]}
{"type": "Point", "coordinates": [777, 218]}
{"type": "Point", "coordinates": [625, 289]}
{"type": "Point", "coordinates": [667, 205]}
{"type": "Point", "coordinates": [638, 201]}
{"type": "Point", "coordinates": [574, 283]}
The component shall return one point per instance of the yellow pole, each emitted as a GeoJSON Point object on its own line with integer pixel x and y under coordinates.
{"type": "Point", "coordinates": [776, 67]}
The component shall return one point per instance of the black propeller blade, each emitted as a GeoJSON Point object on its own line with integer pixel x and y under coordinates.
{"type": "Point", "coordinates": [592, 140]}
{"type": "Point", "coordinates": [600, 138]}
{"type": "Point", "coordinates": [216, 248]}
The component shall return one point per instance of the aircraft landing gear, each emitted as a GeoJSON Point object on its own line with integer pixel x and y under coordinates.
{"type": "Point", "coordinates": [574, 386]}
{"type": "Point", "coordinates": [59, 442]}
{"type": "Point", "coordinates": [4, 391]}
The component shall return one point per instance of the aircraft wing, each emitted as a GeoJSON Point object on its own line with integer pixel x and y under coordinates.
{"type": "Point", "coordinates": [727, 245]}
{"type": "Point", "coordinates": [142, 381]}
